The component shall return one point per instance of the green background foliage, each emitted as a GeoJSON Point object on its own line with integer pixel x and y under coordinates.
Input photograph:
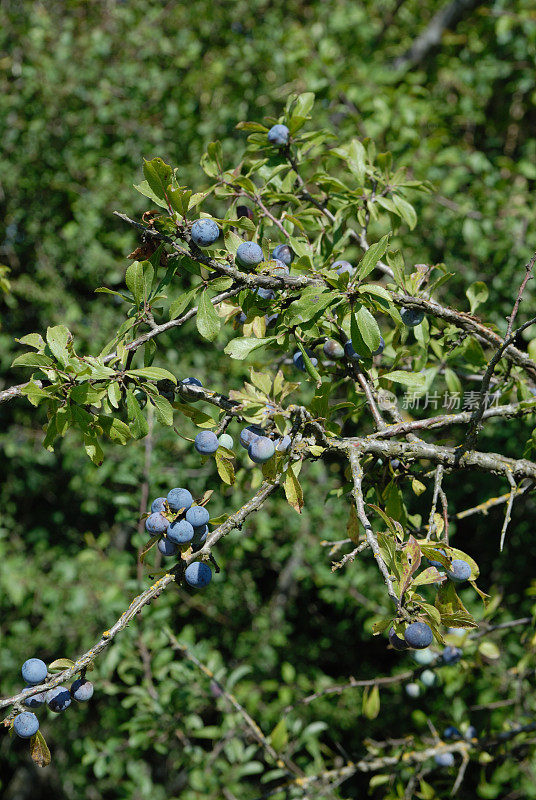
{"type": "Point", "coordinates": [87, 92]}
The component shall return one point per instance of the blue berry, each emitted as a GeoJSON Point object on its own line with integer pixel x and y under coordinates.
{"type": "Point", "coordinates": [58, 699]}
{"type": "Point", "coordinates": [444, 759]}
{"type": "Point", "coordinates": [413, 689]}
{"type": "Point", "coordinates": [158, 506]}
{"type": "Point", "coordinates": [342, 267]}
{"type": "Point", "coordinates": [82, 690]}
{"type": "Point", "coordinates": [26, 725]}
{"type": "Point", "coordinates": [411, 316]}
{"type": "Point", "coordinates": [198, 574]}
{"type": "Point", "coordinates": [197, 516]}
{"type": "Point", "coordinates": [36, 700]}
{"type": "Point", "coordinates": [265, 294]}
{"type": "Point", "coordinates": [206, 443]}
{"type": "Point", "coordinates": [249, 254]}
{"type": "Point", "coordinates": [200, 535]}
{"type": "Point", "coordinates": [282, 445]}
{"type": "Point", "coordinates": [396, 641]}
{"type": "Point", "coordinates": [350, 352]}
{"type": "Point", "coordinates": [451, 733]}
{"type": "Point", "coordinates": [451, 655]}
{"type": "Point", "coordinates": [283, 253]}
{"type": "Point", "coordinates": [167, 548]}
{"type": "Point", "coordinates": [381, 347]}
{"type": "Point", "coordinates": [156, 523]}
{"type": "Point", "coordinates": [261, 449]}
{"type": "Point", "coordinates": [34, 671]}
{"type": "Point", "coordinates": [205, 232]}
{"type": "Point", "coordinates": [333, 349]}
{"type": "Point", "coordinates": [191, 382]}
{"type": "Point", "coordinates": [418, 635]}
{"type": "Point", "coordinates": [270, 319]}
{"type": "Point", "coordinates": [248, 434]}
{"type": "Point", "coordinates": [459, 570]}
{"type": "Point", "coordinates": [299, 362]}
{"type": "Point", "coordinates": [180, 532]}
{"type": "Point", "coordinates": [179, 498]}
{"type": "Point", "coordinates": [278, 134]}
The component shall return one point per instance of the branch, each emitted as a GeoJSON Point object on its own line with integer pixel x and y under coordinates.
{"type": "Point", "coordinates": [446, 420]}
{"type": "Point", "coordinates": [357, 474]}
{"type": "Point", "coordinates": [439, 454]}
{"type": "Point", "coordinates": [255, 729]}
{"type": "Point", "coordinates": [446, 17]}
{"type": "Point", "coordinates": [234, 521]}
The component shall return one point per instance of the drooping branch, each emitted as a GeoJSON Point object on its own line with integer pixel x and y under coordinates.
{"type": "Point", "coordinates": [357, 475]}
{"type": "Point", "coordinates": [234, 521]}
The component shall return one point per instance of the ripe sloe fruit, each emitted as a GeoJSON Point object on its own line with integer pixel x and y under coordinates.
{"type": "Point", "coordinates": [197, 516]}
{"type": "Point", "coordinates": [226, 440]}
{"type": "Point", "coordinates": [283, 253]}
{"type": "Point", "coordinates": [179, 498]}
{"type": "Point", "coordinates": [34, 671]}
{"type": "Point", "coordinates": [58, 699]}
{"type": "Point", "coordinates": [261, 449]}
{"type": "Point", "coordinates": [396, 641]}
{"type": "Point", "coordinates": [333, 349]}
{"type": "Point", "coordinates": [459, 570]}
{"type": "Point", "coordinates": [249, 254]}
{"type": "Point", "coordinates": [82, 690]}
{"type": "Point", "coordinates": [418, 635]}
{"type": "Point", "coordinates": [206, 443]}
{"type": "Point", "coordinates": [444, 759]}
{"type": "Point", "coordinates": [198, 574]}
{"type": "Point", "coordinates": [35, 701]}
{"type": "Point", "coordinates": [26, 725]}
{"type": "Point", "coordinates": [167, 548]}
{"type": "Point", "coordinates": [278, 134]}
{"type": "Point", "coordinates": [180, 532]}
{"type": "Point", "coordinates": [158, 506]}
{"type": "Point", "coordinates": [156, 523]}
{"type": "Point", "coordinates": [341, 267]}
{"type": "Point", "coordinates": [205, 232]}
{"type": "Point", "coordinates": [248, 434]}
{"type": "Point", "coordinates": [411, 316]}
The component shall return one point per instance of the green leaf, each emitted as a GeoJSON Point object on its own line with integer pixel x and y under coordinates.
{"type": "Point", "coordinates": [279, 736]}
{"type": "Point", "coordinates": [207, 320]}
{"type": "Point", "coordinates": [115, 429]}
{"type": "Point", "coordinates": [39, 752]}
{"type": "Point", "coordinates": [310, 304]}
{"type": "Point", "coordinates": [32, 360]}
{"type": "Point", "coordinates": [60, 664]}
{"type": "Point", "coordinates": [33, 340]}
{"type": "Point", "coordinates": [93, 449]}
{"type": "Point", "coordinates": [412, 379]}
{"type": "Point", "coordinates": [182, 302]}
{"type": "Point", "coordinates": [34, 393]}
{"type": "Point", "coordinates": [368, 328]}
{"type": "Point", "coordinates": [134, 281]}
{"type": "Point", "coordinates": [144, 189]}
{"type": "Point", "coordinates": [477, 293]}
{"type": "Point", "coordinates": [241, 348]}
{"type": "Point", "coordinates": [139, 426]}
{"type": "Point", "coordinates": [158, 176]}
{"type": "Point", "coordinates": [371, 702]}
{"type": "Point", "coordinates": [406, 210]}
{"type": "Point", "coordinates": [308, 364]}
{"type": "Point", "coordinates": [164, 410]}
{"type": "Point", "coordinates": [57, 339]}
{"type": "Point", "coordinates": [293, 490]}
{"type": "Point", "coordinates": [225, 468]}
{"type": "Point", "coordinates": [372, 256]}
{"type": "Point", "coordinates": [153, 374]}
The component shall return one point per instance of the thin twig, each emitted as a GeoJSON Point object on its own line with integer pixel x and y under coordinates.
{"type": "Point", "coordinates": [508, 514]}
{"type": "Point", "coordinates": [437, 487]}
